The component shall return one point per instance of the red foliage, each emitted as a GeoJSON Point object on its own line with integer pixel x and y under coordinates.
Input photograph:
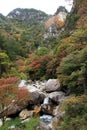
{"type": "Point", "coordinates": [22, 94]}
{"type": "Point", "coordinates": [35, 65]}
{"type": "Point", "coordinates": [10, 80]}
{"type": "Point", "coordinates": [9, 91]}
{"type": "Point", "coordinates": [20, 62]}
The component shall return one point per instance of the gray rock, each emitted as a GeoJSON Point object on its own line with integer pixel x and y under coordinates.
{"type": "Point", "coordinates": [52, 85]}
{"type": "Point", "coordinates": [56, 96]}
{"type": "Point", "coordinates": [36, 98]}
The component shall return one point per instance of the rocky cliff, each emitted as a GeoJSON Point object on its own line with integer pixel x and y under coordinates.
{"type": "Point", "coordinates": [27, 15]}
{"type": "Point", "coordinates": [54, 25]}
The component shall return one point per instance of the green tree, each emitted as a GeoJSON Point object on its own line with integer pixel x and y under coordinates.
{"type": "Point", "coordinates": [72, 72]}
{"type": "Point", "coordinates": [4, 63]}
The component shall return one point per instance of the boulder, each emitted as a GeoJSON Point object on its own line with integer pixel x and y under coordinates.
{"type": "Point", "coordinates": [25, 114]}
{"type": "Point", "coordinates": [14, 108]}
{"type": "Point", "coordinates": [52, 85]}
{"type": "Point", "coordinates": [56, 97]}
{"type": "Point", "coordinates": [36, 98]}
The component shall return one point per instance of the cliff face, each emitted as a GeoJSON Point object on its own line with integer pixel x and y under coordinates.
{"type": "Point", "coordinates": [54, 25]}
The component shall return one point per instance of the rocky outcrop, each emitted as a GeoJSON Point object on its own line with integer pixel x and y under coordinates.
{"type": "Point", "coordinates": [52, 85]}
{"type": "Point", "coordinates": [54, 25]}
{"type": "Point", "coordinates": [27, 15]}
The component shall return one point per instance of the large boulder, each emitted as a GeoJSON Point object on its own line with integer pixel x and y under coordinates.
{"type": "Point", "coordinates": [14, 108]}
{"type": "Point", "coordinates": [36, 98]}
{"type": "Point", "coordinates": [52, 85]}
{"type": "Point", "coordinates": [56, 97]}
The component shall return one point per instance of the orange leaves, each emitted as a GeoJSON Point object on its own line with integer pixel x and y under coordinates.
{"type": "Point", "coordinates": [22, 94]}
{"type": "Point", "coordinates": [20, 65]}
{"type": "Point", "coordinates": [20, 62]}
{"type": "Point", "coordinates": [35, 65]}
{"type": "Point", "coordinates": [67, 40]}
{"type": "Point", "coordinates": [6, 91]}
{"type": "Point", "coordinates": [10, 80]}
{"type": "Point", "coordinates": [9, 91]}
{"type": "Point", "coordinates": [17, 36]}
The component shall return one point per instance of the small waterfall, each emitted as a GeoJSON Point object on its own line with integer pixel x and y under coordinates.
{"type": "Point", "coordinates": [22, 83]}
{"type": "Point", "coordinates": [46, 118]}
{"type": "Point", "coordinates": [46, 100]}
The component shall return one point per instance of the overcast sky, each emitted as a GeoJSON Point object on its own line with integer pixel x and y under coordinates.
{"type": "Point", "coordinates": [48, 6]}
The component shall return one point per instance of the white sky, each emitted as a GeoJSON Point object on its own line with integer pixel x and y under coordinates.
{"type": "Point", "coordinates": [48, 6]}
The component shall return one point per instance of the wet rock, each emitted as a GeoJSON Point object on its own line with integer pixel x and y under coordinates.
{"type": "Point", "coordinates": [47, 109]}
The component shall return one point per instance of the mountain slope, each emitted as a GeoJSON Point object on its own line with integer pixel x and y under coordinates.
{"type": "Point", "coordinates": [27, 15]}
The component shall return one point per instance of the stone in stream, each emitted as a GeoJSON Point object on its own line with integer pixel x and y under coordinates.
{"type": "Point", "coordinates": [52, 85]}
{"type": "Point", "coordinates": [57, 97]}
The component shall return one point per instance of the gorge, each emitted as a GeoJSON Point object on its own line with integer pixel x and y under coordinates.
{"type": "Point", "coordinates": [43, 69]}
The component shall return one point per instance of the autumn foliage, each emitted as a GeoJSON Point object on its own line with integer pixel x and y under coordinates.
{"type": "Point", "coordinates": [9, 91]}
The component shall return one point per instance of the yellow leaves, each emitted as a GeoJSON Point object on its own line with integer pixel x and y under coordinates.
{"type": "Point", "coordinates": [72, 101]}
{"type": "Point", "coordinates": [17, 36]}
{"type": "Point", "coordinates": [67, 40]}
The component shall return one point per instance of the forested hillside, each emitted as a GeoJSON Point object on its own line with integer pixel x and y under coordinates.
{"type": "Point", "coordinates": [36, 46]}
